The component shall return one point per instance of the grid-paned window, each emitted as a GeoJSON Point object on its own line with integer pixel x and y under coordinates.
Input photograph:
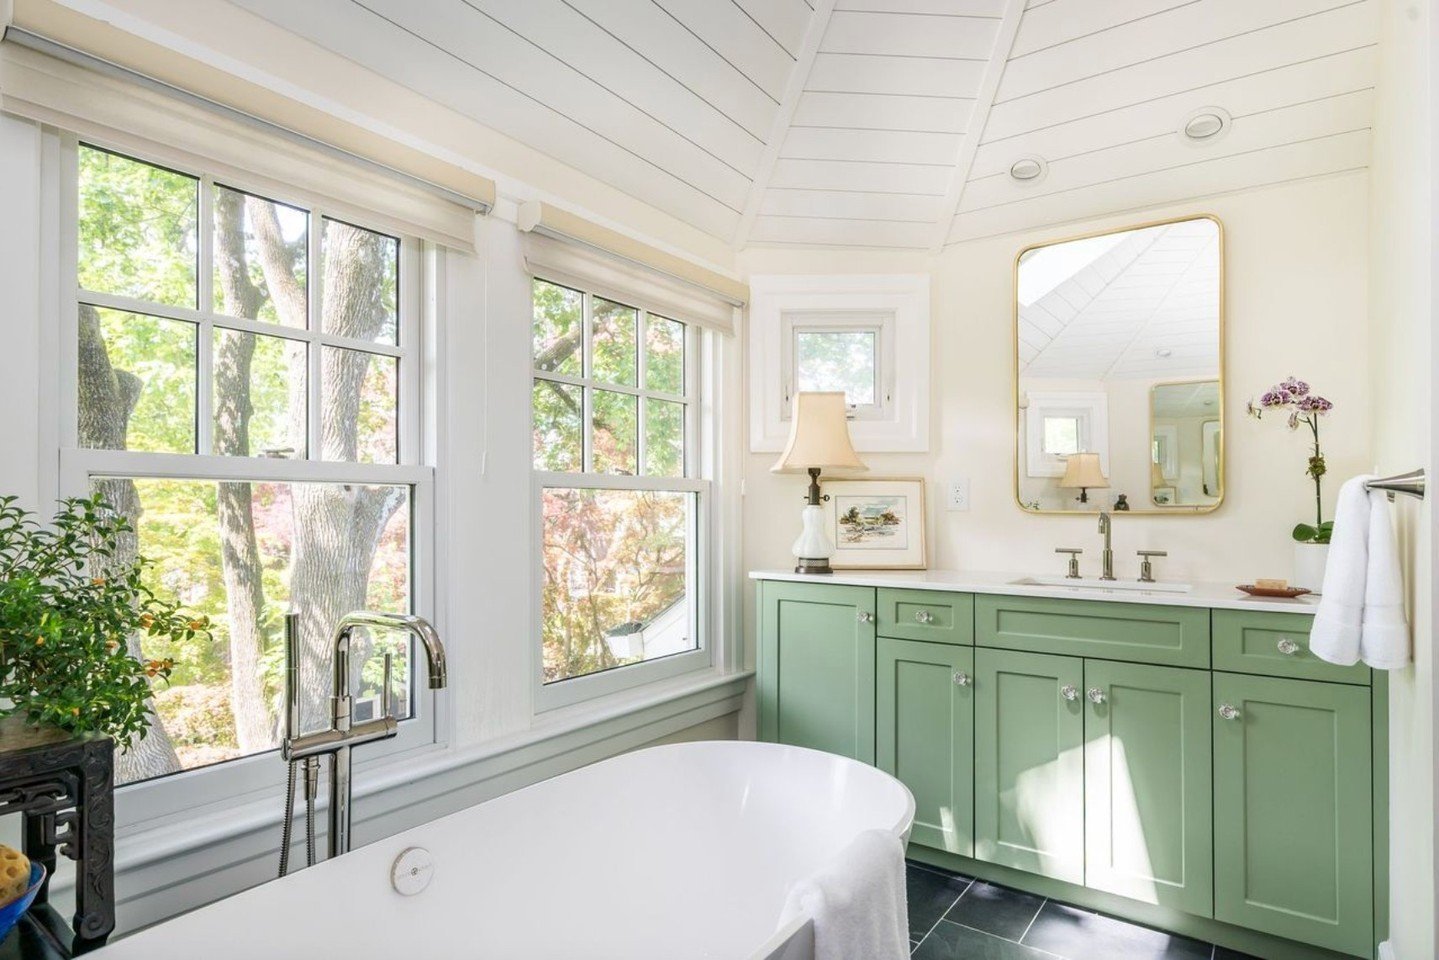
{"type": "Point", "coordinates": [614, 421]}
{"type": "Point", "coordinates": [237, 368]}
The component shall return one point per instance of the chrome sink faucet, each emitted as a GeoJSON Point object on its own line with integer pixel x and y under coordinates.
{"type": "Point", "coordinates": [344, 734]}
{"type": "Point", "coordinates": [1106, 524]}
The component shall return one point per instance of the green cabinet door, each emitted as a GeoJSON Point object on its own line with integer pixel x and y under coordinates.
{"type": "Point", "coordinates": [816, 667]}
{"type": "Point", "coordinates": [1147, 796]}
{"type": "Point", "coordinates": [924, 735]}
{"type": "Point", "coordinates": [1293, 847]}
{"type": "Point", "coordinates": [1029, 762]}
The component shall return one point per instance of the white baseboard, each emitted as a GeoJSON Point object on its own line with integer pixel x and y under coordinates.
{"type": "Point", "coordinates": [1386, 951]}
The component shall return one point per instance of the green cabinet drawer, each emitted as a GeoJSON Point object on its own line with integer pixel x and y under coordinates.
{"type": "Point", "coordinates": [1293, 808]}
{"type": "Point", "coordinates": [816, 667]}
{"type": "Point", "coordinates": [1136, 632]}
{"type": "Point", "coordinates": [1275, 644]}
{"type": "Point", "coordinates": [1029, 762]}
{"type": "Point", "coordinates": [932, 615]}
{"type": "Point", "coordinates": [924, 736]}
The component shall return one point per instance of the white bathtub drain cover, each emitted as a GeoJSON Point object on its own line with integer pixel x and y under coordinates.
{"type": "Point", "coordinates": [412, 871]}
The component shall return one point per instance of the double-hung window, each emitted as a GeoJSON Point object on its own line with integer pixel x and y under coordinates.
{"type": "Point", "coordinates": [621, 500]}
{"type": "Point", "coordinates": [241, 371]}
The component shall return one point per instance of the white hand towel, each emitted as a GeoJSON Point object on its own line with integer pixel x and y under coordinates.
{"type": "Point", "coordinates": [1361, 611]}
{"type": "Point", "coordinates": [857, 901]}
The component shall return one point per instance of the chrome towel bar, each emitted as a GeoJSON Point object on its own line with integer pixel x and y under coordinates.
{"type": "Point", "coordinates": [1411, 483]}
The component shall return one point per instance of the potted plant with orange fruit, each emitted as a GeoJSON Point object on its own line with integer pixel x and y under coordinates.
{"type": "Point", "coordinates": [73, 607]}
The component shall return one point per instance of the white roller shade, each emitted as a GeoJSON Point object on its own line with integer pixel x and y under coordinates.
{"type": "Point", "coordinates": [131, 114]}
{"type": "Point", "coordinates": [567, 249]}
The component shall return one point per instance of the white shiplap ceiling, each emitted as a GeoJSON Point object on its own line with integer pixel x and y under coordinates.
{"type": "Point", "coordinates": [885, 123]}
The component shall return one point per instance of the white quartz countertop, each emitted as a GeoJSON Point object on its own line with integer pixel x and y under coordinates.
{"type": "Point", "coordinates": [1210, 595]}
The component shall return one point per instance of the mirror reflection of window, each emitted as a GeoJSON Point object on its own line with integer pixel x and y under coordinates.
{"type": "Point", "coordinates": [1118, 353]}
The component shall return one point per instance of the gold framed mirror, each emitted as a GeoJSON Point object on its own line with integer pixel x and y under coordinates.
{"type": "Point", "coordinates": [1119, 370]}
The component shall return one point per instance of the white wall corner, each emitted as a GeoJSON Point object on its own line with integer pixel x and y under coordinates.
{"type": "Point", "coordinates": [7, 16]}
{"type": "Point", "coordinates": [1386, 951]}
{"type": "Point", "coordinates": [905, 298]}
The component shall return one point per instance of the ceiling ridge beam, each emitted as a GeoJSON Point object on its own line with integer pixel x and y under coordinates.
{"type": "Point", "coordinates": [978, 119]}
{"type": "Point", "coordinates": [779, 129]}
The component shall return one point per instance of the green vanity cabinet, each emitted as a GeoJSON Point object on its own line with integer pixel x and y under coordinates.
{"type": "Point", "coordinates": [924, 735]}
{"type": "Point", "coordinates": [1029, 762]}
{"type": "Point", "coordinates": [1147, 786]}
{"type": "Point", "coordinates": [816, 671]}
{"type": "Point", "coordinates": [1293, 841]}
{"type": "Point", "coordinates": [1193, 769]}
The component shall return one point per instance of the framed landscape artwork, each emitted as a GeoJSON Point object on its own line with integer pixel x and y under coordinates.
{"type": "Point", "coordinates": [876, 524]}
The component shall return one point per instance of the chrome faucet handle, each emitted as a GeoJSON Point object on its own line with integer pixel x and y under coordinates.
{"type": "Point", "coordinates": [388, 683]}
{"type": "Point", "coordinates": [1146, 569]}
{"type": "Point", "coordinates": [1074, 553]}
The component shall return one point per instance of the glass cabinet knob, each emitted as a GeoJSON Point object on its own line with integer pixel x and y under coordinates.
{"type": "Point", "coordinates": [1287, 647]}
{"type": "Point", "coordinates": [924, 616]}
{"type": "Point", "coordinates": [1228, 711]}
{"type": "Point", "coordinates": [961, 679]}
{"type": "Point", "coordinates": [1069, 692]}
{"type": "Point", "coordinates": [864, 616]}
{"type": "Point", "coordinates": [1095, 695]}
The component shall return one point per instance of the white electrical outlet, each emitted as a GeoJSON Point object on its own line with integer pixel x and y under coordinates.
{"type": "Point", "coordinates": [958, 495]}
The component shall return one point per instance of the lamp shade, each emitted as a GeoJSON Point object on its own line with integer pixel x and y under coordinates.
{"type": "Point", "coordinates": [818, 436]}
{"type": "Point", "coordinates": [1082, 470]}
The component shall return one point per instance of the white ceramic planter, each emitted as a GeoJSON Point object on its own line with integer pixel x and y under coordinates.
{"type": "Point", "coordinates": [1309, 562]}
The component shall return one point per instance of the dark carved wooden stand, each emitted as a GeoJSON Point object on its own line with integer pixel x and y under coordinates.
{"type": "Point", "coordinates": [62, 785]}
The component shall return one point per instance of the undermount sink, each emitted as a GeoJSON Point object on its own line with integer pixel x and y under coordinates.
{"type": "Point", "coordinates": [1094, 583]}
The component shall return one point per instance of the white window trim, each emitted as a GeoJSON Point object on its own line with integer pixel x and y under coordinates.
{"type": "Point", "coordinates": [703, 359]}
{"type": "Point", "coordinates": [224, 785]}
{"type": "Point", "coordinates": [1092, 409]}
{"type": "Point", "coordinates": [880, 324]}
{"type": "Point", "coordinates": [780, 302]}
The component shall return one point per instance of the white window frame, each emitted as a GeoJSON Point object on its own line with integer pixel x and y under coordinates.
{"type": "Point", "coordinates": [881, 324]}
{"type": "Point", "coordinates": [1090, 409]}
{"type": "Point", "coordinates": [897, 305]}
{"type": "Point", "coordinates": [229, 783]}
{"type": "Point", "coordinates": [700, 356]}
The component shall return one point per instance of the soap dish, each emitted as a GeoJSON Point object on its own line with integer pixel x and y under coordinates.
{"type": "Point", "coordinates": [1288, 593]}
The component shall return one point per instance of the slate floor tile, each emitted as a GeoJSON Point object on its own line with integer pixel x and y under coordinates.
{"type": "Point", "coordinates": [931, 893]}
{"type": "Point", "coordinates": [1077, 934]}
{"type": "Point", "coordinates": [950, 941]}
{"type": "Point", "coordinates": [995, 910]}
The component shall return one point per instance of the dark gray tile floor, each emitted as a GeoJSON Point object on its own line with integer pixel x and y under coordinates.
{"type": "Point", "coordinates": [953, 917]}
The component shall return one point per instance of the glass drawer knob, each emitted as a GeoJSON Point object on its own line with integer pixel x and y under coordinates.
{"type": "Point", "coordinates": [1228, 711]}
{"type": "Point", "coordinates": [1288, 647]}
{"type": "Point", "coordinates": [864, 616]}
{"type": "Point", "coordinates": [1095, 695]}
{"type": "Point", "coordinates": [924, 616]}
{"type": "Point", "coordinates": [961, 679]}
{"type": "Point", "coordinates": [1069, 692]}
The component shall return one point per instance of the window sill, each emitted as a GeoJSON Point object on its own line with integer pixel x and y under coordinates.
{"type": "Point", "coordinates": [556, 734]}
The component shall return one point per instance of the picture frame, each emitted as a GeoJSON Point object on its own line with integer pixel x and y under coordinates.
{"type": "Point", "coordinates": [876, 523]}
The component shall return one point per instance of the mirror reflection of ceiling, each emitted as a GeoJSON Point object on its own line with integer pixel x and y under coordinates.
{"type": "Point", "coordinates": [1186, 401]}
{"type": "Point", "coordinates": [1135, 305]}
{"type": "Point", "coordinates": [861, 123]}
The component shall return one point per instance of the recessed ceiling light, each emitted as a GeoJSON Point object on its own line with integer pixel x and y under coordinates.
{"type": "Point", "coordinates": [1028, 169]}
{"type": "Point", "coordinates": [1205, 124]}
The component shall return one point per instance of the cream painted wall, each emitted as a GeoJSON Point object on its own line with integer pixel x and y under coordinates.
{"type": "Point", "coordinates": [1296, 260]}
{"type": "Point", "coordinates": [1401, 311]}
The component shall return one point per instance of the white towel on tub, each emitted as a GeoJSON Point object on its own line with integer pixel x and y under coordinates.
{"type": "Point", "coordinates": [857, 901]}
{"type": "Point", "coordinates": [1361, 611]}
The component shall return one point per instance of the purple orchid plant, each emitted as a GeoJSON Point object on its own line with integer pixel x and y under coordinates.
{"type": "Point", "coordinates": [1304, 407]}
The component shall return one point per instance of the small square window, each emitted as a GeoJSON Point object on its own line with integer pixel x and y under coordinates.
{"type": "Point", "coordinates": [1062, 436]}
{"type": "Point", "coordinates": [838, 360]}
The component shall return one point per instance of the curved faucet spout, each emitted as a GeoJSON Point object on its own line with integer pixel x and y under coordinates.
{"type": "Point", "coordinates": [419, 627]}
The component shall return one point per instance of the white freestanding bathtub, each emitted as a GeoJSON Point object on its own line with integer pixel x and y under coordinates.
{"type": "Point", "coordinates": [670, 853]}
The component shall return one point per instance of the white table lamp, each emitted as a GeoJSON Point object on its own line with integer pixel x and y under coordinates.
{"type": "Point", "coordinates": [818, 440]}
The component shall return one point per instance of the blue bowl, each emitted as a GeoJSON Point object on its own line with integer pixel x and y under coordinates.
{"type": "Point", "coordinates": [11, 913]}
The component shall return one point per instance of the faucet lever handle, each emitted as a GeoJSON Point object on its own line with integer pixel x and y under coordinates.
{"type": "Point", "coordinates": [1074, 553]}
{"type": "Point", "coordinates": [1069, 550]}
{"type": "Point", "coordinates": [1152, 553]}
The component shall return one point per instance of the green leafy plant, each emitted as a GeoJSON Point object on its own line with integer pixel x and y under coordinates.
{"type": "Point", "coordinates": [72, 603]}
